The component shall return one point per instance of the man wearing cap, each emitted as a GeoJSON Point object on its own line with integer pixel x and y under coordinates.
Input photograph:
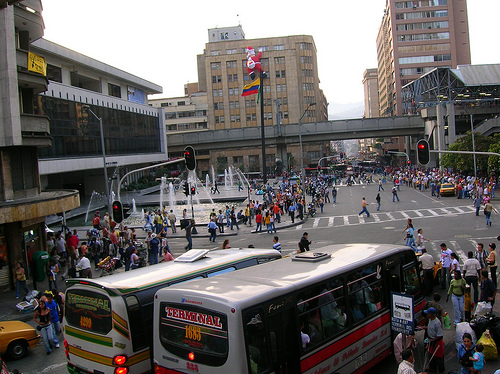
{"type": "Point", "coordinates": [435, 347]}
{"type": "Point", "coordinates": [54, 316]}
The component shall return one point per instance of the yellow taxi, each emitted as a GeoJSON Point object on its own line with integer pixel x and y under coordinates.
{"type": "Point", "coordinates": [16, 337]}
{"type": "Point", "coordinates": [447, 189]}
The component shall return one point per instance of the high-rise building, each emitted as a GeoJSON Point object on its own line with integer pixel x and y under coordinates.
{"type": "Point", "coordinates": [292, 84]}
{"type": "Point", "coordinates": [414, 38]}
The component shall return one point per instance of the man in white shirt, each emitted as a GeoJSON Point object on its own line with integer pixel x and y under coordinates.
{"type": "Point", "coordinates": [83, 266]}
{"type": "Point", "coordinates": [407, 365]}
{"type": "Point", "coordinates": [472, 272]}
{"type": "Point", "coordinates": [427, 262]}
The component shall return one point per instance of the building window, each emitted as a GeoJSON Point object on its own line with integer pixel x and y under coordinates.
{"type": "Point", "coordinates": [264, 61]}
{"type": "Point", "coordinates": [232, 118]}
{"type": "Point", "coordinates": [214, 53]}
{"type": "Point", "coordinates": [263, 49]}
{"type": "Point", "coordinates": [279, 47]}
{"type": "Point", "coordinates": [231, 92]}
{"type": "Point", "coordinates": [231, 51]}
{"type": "Point", "coordinates": [238, 118]}
{"type": "Point", "coordinates": [220, 92]}
{"type": "Point", "coordinates": [222, 119]}
{"type": "Point", "coordinates": [231, 64]}
{"type": "Point", "coordinates": [215, 65]}
{"type": "Point", "coordinates": [235, 77]}
{"type": "Point", "coordinates": [236, 91]}
{"type": "Point", "coordinates": [216, 119]}
{"type": "Point", "coordinates": [230, 77]}
{"type": "Point", "coordinates": [231, 105]}
{"type": "Point", "coordinates": [305, 46]}
{"type": "Point", "coordinates": [279, 60]}
{"type": "Point", "coordinates": [54, 73]}
{"type": "Point", "coordinates": [181, 103]}
{"type": "Point", "coordinates": [114, 90]}
{"type": "Point", "coordinates": [215, 93]}
{"type": "Point", "coordinates": [214, 79]}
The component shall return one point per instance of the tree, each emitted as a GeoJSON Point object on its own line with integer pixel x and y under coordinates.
{"type": "Point", "coordinates": [465, 163]}
{"type": "Point", "coordinates": [494, 161]}
{"type": "Point", "coordinates": [221, 164]}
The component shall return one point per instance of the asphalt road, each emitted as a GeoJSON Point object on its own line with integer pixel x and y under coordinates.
{"type": "Point", "coordinates": [447, 219]}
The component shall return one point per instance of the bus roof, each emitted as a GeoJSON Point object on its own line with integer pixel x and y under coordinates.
{"type": "Point", "coordinates": [270, 278]}
{"type": "Point", "coordinates": [151, 276]}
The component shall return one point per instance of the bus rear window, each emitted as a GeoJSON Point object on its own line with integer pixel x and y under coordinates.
{"type": "Point", "coordinates": [88, 310]}
{"type": "Point", "coordinates": [187, 328]}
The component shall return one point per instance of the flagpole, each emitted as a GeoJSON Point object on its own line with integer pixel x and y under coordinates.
{"type": "Point", "coordinates": [262, 132]}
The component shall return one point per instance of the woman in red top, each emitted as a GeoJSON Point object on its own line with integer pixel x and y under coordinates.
{"type": "Point", "coordinates": [258, 219]}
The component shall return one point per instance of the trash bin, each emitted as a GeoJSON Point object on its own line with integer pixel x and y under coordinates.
{"type": "Point", "coordinates": [40, 259]}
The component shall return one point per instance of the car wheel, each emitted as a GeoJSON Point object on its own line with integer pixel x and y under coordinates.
{"type": "Point", "coordinates": [17, 349]}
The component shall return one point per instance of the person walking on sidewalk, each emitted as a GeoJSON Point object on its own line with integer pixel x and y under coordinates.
{"type": "Point", "coordinates": [171, 219]}
{"type": "Point", "coordinates": [20, 279]}
{"type": "Point", "coordinates": [380, 187]}
{"type": "Point", "coordinates": [364, 204]}
{"type": "Point", "coordinates": [189, 237]}
{"type": "Point", "coordinates": [42, 318]}
{"type": "Point", "coordinates": [334, 194]}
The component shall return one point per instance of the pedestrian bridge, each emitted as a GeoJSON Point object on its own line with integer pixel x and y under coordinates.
{"type": "Point", "coordinates": [289, 134]}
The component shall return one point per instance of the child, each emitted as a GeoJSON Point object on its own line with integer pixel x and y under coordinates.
{"type": "Point", "coordinates": [478, 359]}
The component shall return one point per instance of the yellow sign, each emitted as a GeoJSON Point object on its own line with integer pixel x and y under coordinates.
{"type": "Point", "coordinates": [37, 64]}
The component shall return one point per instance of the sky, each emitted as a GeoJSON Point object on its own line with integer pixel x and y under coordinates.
{"type": "Point", "coordinates": [159, 41]}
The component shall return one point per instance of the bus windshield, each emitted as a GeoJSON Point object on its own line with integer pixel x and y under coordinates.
{"type": "Point", "coordinates": [88, 310]}
{"type": "Point", "coordinates": [186, 328]}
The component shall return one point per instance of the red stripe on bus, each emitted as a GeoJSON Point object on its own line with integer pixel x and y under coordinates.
{"type": "Point", "coordinates": [341, 344]}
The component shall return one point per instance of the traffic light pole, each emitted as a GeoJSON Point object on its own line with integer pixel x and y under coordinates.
{"type": "Point", "coordinates": [466, 152]}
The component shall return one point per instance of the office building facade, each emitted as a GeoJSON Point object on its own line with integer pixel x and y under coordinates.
{"type": "Point", "coordinates": [414, 38]}
{"type": "Point", "coordinates": [24, 202]}
{"type": "Point", "coordinates": [291, 86]}
{"type": "Point", "coordinates": [133, 131]}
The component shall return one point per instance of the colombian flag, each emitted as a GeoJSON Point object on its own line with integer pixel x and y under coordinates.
{"type": "Point", "coordinates": [252, 88]}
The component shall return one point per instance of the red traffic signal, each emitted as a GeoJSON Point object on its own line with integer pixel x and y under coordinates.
{"type": "Point", "coordinates": [190, 158]}
{"type": "Point", "coordinates": [408, 162]}
{"type": "Point", "coordinates": [423, 152]}
{"type": "Point", "coordinates": [386, 152]}
{"type": "Point", "coordinates": [193, 190]}
{"type": "Point", "coordinates": [117, 211]}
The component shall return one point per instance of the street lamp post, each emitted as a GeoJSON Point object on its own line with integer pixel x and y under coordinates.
{"type": "Point", "coordinates": [302, 176]}
{"type": "Point", "coordinates": [473, 143]}
{"type": "Point", "coordinates": [106, 186]}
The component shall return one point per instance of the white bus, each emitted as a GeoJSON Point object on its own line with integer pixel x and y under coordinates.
{"type": "Point", "coordinates": [256, 320]}
{"type": "Point", "coordinates": [108, 322]}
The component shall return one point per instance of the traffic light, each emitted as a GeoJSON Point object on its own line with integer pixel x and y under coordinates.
{"type": "Point", "coordinates": [193, 190]}
{"type": "Point", "coordinates": [186, 188]}
{"type": "Point", "coordinates": [386, 152]}
{"type": "Point", "coordinates": [190, 158]}
{"type": "Point", "coordinates": [423, 152]}
{"type": "Point", "coordinates": [117, 211]}
{"type": "Point", "coordinates": [408, 162]}
{"type": "Point", "coordinates": [319, 167]}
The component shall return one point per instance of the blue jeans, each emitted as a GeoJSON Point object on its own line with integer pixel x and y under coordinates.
{"type": "Point", "coordinates": [56, 327]}
{"type": "Point", "coordinates": [364, 211]}
{"type": "Point", "coordinates": [153, 258]}
{"type": "Point", "coordinates": [410, 242]}
{"type": "Point", "coordinates": [47, 336]}
{"type": "Point", "coordinates": [378, 205]}
{"type": "Point", "coordinates": [458, 308]}
{"type": "Point", "coordinates": [20, 284]}
{"type": "Point", "coordinates": [259, 226]}
{"type": "Point", "coordinates": [190, 243]}
{"type": "Point", "coordinates": [488, 220]}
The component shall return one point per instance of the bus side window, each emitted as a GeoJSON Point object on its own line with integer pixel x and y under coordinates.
{"type": "Point", "coordinates": [255, 340]}
{"type": "Point", "coordinates": [223, 271]}
{"type": "Point", "coordinates": [137, 329]}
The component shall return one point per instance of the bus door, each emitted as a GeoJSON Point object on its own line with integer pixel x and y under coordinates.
{"type": "Point", "coordinates": [272, 342]}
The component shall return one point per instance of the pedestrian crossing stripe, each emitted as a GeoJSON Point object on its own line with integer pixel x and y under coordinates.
{"type": "Point", "coordinates": [380, 217]}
